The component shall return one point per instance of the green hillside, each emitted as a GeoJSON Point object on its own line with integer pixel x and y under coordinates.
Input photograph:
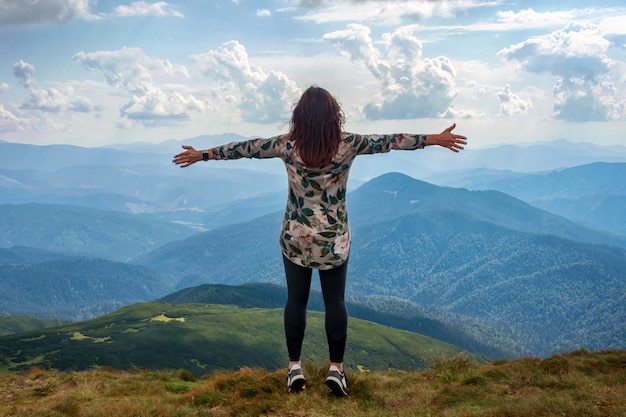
{"type": "Point", "coordinates": [390, 312]}
{"type": "Point", "coordinates": [19, 324]}
{"type": "Point", "coordinates": [202, 338]}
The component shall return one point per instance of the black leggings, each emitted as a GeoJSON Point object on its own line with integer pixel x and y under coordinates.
{"type": "Point", "coordinates": [333, 283]}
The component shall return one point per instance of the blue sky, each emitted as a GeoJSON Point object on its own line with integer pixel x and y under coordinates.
{"type": "Point", "coordinates": [92, 73]}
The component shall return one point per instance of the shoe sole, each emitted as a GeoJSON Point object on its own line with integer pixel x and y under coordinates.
{"type": "Point", "coordinates": [297, 384]}
{"type": "Point", "coordinates": [335, 386]}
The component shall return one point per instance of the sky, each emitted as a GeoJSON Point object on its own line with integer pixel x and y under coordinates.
{"type": "Point", "coordinates": [101, 72]}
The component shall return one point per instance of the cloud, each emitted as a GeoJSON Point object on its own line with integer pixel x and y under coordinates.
{"type": "Point", "coordinates": [9, 122]}
{"type": "Point", "coordinates": [156, 105]}
{"type": "Point", "coordinates": [20, 12]}
{"type": "Point", "coordinates": [386, 12]}
{"type": "Point", "coordinates": [577, 99]}
{"type": "Point", "coordinates": [14, 120]}
{"type": "Point", "coordinates": [511, 103]}
{"type": "Point", "coordinates": [576, 51]}
{"type": "Point", "coordinates": [412, 87]}
{"type": "Point", "coordinates": [24, 71]}
{"type": "Point", "coordinates": [57, 100]}
{"type": "Point", "coordinates": [128, 68]}
{"type": "Point", "coordinates": [611, 20]}
{"type": "Point", "coordinates": [529, 18]}
{"type": "Point", "coordinates": [576, 55]}
{"type": "Point", "coordinates": [618, 41]}
{"type": "Point", "coordinates": [132, 71]}
{"type": "Point", "coordinates": [261, 97]}
{"type": "Point", "coordinates": [614, 22]}
{"type": "Point", "coordinates": [263, 13]}
{"type": "Point", "coordinates": [4, 87]}
{"type": "Point", "coordinates": [51, 99]}
{"type": "Point", "coordinates": [142, 8]}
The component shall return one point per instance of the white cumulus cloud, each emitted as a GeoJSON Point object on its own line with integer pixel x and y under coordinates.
{"type": "Point", "coordinates": [132, 71]}
{"type": "Point", "coordinates": [511, 103]}
{"type": "Point", "coordinates": [261, 96]}
{"type": "Point", "coordinates": [412, 86]}
{"type": "Point", "coordinates": [577, 56]}
{"type": "Point", "coordinates": [49, 99]}
{"type": "Point", "coordinates": [573, 51]}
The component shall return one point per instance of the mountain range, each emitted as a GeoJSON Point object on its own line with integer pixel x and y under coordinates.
{"type": "Point", "coordinates": [139, 177]}
{"type": "Point", "coordinates": [475, 260]}
{"type": "Point", "coordinates": [593, 194]}
{"type": "Point", "coordinates": [85, 234]}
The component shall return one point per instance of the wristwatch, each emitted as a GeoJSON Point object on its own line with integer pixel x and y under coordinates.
{"type": "Point", "coordinates": [205, 155]}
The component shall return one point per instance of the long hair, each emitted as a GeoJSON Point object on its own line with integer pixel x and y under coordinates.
{"type": "Point", "coordinates": [316, 126]}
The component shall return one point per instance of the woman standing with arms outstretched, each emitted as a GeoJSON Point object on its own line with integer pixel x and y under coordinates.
{"type": "Point", "coordinates": [315, 232]}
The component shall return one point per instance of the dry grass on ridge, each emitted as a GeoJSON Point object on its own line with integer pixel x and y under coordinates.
{"type": "Point", "coordinates": [576, 384]}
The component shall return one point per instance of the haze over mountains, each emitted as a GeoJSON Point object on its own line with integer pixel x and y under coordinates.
{"type": "Point", "coordinates": [526, 262]}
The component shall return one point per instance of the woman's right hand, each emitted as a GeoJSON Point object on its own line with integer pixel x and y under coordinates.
{"type": "Point", "coordinates": [189, 157]}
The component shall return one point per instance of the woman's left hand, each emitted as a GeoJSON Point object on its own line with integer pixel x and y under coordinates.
{"type": "Point", "coordinates": [447, 139]}
{"type": "Point", "coordinates": [189, 157]}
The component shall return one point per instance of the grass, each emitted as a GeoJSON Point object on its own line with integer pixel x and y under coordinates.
{"type": "Point", "coordinates": [579, 383]}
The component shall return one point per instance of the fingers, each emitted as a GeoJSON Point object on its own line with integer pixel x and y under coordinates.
{"type": "Point", "coordinates": [449, 130]}
{"type": "Point", "coordinates": [457, 143]}
{"type": "Point", "coordinates": [458, 139]}
{"type": "Point", "coordinates": [187, 149]}
{"type": "Point", "coordinates": [184, 158]}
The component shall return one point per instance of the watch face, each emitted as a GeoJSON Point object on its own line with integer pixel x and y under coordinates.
{"type": "Point", "coordinates": [205, 156]}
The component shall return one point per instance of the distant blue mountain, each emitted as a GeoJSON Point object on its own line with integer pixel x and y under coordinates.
{"type": "Point", "coordinates": [75, 288]}
{"type": "Point", "coordinates": [140, 178]}
{"type": "Point", "coordinates": [592, 194]}
{"type": "Point", "coordinates": [85, 231]}
{"type": "Point", "coordinates": [393, 195]}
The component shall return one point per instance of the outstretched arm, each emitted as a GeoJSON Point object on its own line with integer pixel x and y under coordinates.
{"type": "Point", "coordinates": [254, 148]}
{"type": "Point", "coordinates": [447, 139]}
{"type": "Point", "coordinates": [371, 144]}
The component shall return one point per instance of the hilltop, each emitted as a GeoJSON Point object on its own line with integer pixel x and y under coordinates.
{"type": "Point", "coordinates": [389, 312]}
{"type": "Point", "coordinates": [576, 384]}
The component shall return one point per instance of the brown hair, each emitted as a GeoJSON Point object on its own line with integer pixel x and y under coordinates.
{"type": "Point", "coordinates": [316, 126]}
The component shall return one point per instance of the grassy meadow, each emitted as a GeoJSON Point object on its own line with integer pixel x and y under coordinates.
{"type": "Point", "coordinates": [579, 383]}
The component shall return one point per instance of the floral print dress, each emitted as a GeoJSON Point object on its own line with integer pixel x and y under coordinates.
{"type": "Point", "coordinates": [315, 231]}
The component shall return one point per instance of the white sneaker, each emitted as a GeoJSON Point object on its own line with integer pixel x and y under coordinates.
{"type": "Point", "coordinates": [295, 379]}
{"type": "Point", "coordinates": [337, 382]}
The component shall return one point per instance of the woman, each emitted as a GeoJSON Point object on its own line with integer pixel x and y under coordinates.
{"type": "Point", "coordinates": [315, 232]}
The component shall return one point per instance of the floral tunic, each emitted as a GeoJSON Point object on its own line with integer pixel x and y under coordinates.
{"type": "Point", "coordinates": [315, 231]}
